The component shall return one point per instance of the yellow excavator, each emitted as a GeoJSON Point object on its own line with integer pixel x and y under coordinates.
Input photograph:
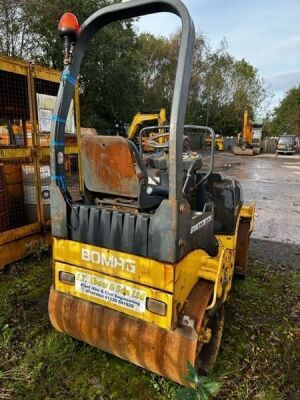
{"type": "Point", "coordinates": [141, 118]}
{"type": "Point", "coordinates": [250, 142]}
{"type": "Point", "coordinates": [144, 263]}
{"type": "Point", "coordinates": [138, 130]}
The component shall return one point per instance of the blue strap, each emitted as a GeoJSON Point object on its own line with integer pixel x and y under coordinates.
{"type": "Point", "coordinates": [67, 76]}
{"type": "Point", "coordinates": [57, 177]}
{"type": "Point", "coordinates": [55, 143]}
{"type": "Point", "coordinates": [60, 179]}
{"type": "Point", "coordinates": [58, 119]}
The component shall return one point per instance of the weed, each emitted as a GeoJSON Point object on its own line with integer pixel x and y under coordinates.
{"type": "Point", "coordinates": [203, 387]}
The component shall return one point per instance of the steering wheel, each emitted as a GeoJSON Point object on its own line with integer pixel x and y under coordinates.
{"type": "Point", "coordinates": [153, 141]}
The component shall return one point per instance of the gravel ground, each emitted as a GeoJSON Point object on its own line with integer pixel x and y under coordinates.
{"type": "Point", "coordinates": [267, 251]}
{"type": "Point", "coordinates": [273, 184]}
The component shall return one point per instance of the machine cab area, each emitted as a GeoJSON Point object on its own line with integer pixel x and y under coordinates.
{"type": "Point", "coordinates": [125, 202]}
{"type": "Point", "coordinates": [125, 206]}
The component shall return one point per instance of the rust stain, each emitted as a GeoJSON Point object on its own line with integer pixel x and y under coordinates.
{"type": "Point", "coordinates": [109, 166]}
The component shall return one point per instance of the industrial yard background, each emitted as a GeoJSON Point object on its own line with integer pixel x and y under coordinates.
{"type": "Point", "coordinates": [125, 72]}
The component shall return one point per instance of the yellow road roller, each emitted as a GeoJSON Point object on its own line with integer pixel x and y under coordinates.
{"type": "Point", "coordinates": [145, 261]}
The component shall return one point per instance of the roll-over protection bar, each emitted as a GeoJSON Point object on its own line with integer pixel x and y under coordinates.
{"type": "Point", "coordinates": [92, 25]}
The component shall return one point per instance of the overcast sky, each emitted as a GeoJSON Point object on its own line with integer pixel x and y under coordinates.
{"type": "Point", "coordinates": [264, 32]}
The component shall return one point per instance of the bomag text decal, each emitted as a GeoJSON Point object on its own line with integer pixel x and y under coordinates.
{"type": "Point", "coordinates": [108, 260]}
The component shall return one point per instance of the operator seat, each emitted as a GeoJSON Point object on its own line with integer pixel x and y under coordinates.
{"type": "Point", "coordinates": [114, 172]}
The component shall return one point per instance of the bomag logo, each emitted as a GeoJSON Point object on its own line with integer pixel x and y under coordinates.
{"type": "Point", "coordinates": [108, 260]}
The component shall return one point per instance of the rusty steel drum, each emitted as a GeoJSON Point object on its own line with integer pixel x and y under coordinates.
{"type": "Point", "coordinates": [166, 353]}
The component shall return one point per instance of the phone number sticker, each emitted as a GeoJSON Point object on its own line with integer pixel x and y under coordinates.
{"type": "Point", "coordinates": [111, 292]}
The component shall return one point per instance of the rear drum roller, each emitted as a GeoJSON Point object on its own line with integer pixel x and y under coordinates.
{"type": "Point", "coordinates": [166, 353]}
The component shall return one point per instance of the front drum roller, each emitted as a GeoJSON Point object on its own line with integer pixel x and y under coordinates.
{"type": "Point", "coordinates": [166, 353]}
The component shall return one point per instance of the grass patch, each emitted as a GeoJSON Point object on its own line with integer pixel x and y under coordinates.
{"type": "Point", "coordinates": [259, 350]}
{"type": "Point", "coordinates": [257, 359]}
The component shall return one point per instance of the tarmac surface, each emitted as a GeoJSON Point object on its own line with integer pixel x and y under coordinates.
{"type": "Point", "coordinates": [272, 182]}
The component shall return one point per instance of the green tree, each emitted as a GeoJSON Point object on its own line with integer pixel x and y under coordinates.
{"type": "Point", "coordinates": [221, 89]}
{"type": "Point", "coordinates": [109, 74]}
{"type": "Point", "coordinates": [157, 58]}
{"type": "Point", "coordinates": [157, 70]}
{"type": "Point", "coordinates": [229, 87]}
{"type": "Point", "coordinates": [287, 115]}
{"type": "Point", "coordinates": [16, 36]}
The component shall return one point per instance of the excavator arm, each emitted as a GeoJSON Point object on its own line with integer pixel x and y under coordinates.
{"type": "Point", "coordinates": [140, 118]}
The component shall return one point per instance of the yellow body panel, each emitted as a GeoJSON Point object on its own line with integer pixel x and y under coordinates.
{"type": "Point", "coordinates": [116, 290]}
{"type": "Point", "coordinates": [155, 277]}
{"type": "Point", "coordinates": [173, 280]}
{"type": "Point", "coordinates": [226, 241]}
{"type": "Point", "coordinates": [115, 263]}
{"type": "Point", "coordinates": [197, 264]}
{"type": "Point", "coordinates": [170, 283]}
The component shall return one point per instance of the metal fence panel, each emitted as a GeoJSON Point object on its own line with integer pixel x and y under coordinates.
{"type": "Point", "coordinates": [27, 93]}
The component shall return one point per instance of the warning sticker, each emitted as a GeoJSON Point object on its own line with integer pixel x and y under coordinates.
{"type": "Point", "coordinates": [111, 291]}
